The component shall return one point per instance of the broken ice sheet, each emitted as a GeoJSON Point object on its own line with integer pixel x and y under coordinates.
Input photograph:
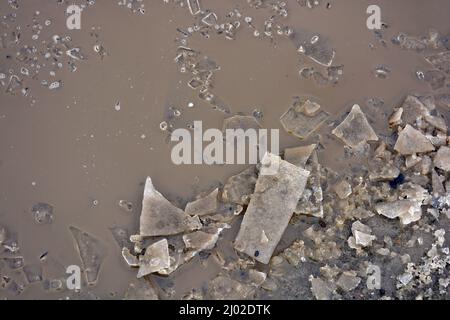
{"type": "Point", "coordinates": [194, 7]}
{"type": "Point", "coordinates": [408, 211]}
{"type": "Point", "coordinates": [131, 260]}
{"type": "Point", "coordinates": [200, 240]}
{"type": "Point", "coordinates": [301, 121]}
{"type": "Point", "coordinates": [270, 208]}
{"type": "Point", "coordinates": [203, 206]}
{"type": "Point", "coordinates": [310, 202]}
{"type": "Point", "coordinates": [348, 281]}
{"type": "Point", "coordinates": [92, 253]}
{"type": "Point", "coordinates": [413, 109]}
{"type": "Point", "coordinates": [361, 235]}
{"type": "Point", "coordinates": [382, 171]}
{"type": "Point", "coordinates": [412, 141]}
{"type": "Point", "coordinates": [299, 155]}
{"type": "Point", "coordinates": [442, 158]}
{"type": "Point", "coordinates": [42, 213]}
{"type": "Point", "coordinates": [343, 189]}
{"type": "Point", "coordinates": [314, 46]}
{"type": "Point", "coordinates": [210, 19]}
{"type": "Point", "coordinates": [355, 130]}
{"type": "Point", "coordinates": [155, 259]}
{"type": "Point", "coordinates": [239, 188]}
{"type": "Point", "coordinates": [159, 217]}
{"type": "Point", "coordinates": [322, 289]}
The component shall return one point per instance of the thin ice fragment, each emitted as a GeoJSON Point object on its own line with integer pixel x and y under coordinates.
{"type": "Point", "coordinates": [155, 259]}
{"type": "Point", "coordinates": [299, 155]}
{"type": "Point", "coordinates": [355, 129]}
{"type": "Point", "coordinates": [239, 188]}
{"type": "Point", "coordinates": [442, 158]}
{"type": "Point", "coordinates": [42, 213]}
{"type": "Point", "coordinates": [204, 206]}
{"type": "Point", "coordinates": [301, 121]}
{"type": "Point", "coordinates": [412, 141]}
{"type": "Point", "coordinates": [159, 217]}
{"type": "Point", "coordinates": [92, 253]}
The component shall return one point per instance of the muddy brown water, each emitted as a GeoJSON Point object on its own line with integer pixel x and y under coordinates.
{"type": "Point", "coordinates": [72, 147]}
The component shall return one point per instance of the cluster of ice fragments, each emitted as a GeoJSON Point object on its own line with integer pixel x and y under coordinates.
{"type": "Point", "coordinates": [376, 232]}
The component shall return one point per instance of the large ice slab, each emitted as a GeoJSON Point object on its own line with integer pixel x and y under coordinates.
{"type": "Point", "coordinates": [270, 209]}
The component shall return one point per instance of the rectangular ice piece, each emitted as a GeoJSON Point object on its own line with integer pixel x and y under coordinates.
{"type": "Point", "coordinates": [270, 208]}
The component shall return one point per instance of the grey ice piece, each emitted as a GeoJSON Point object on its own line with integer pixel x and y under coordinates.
{"type": "Point", "coordinates": [321, 289]}
{"type": "Point", "coordinates": [348, 281]}
{"type": "Point", "coordinates": [316, 47]}
{"type": "Point", "coordinates": [414, 108]}
{"type": "Point", "coordinates": [239, 188]}
{"type": "Point", "coordinates": [343, 189]}
{"type": "Point", "coordinates": [131, 260]}
{"type": "Point", "coordinates": [361, 235]}
{"type": "Point", "coordinates": [382, 171]}
{"type": "Point", "coordinates": [442, 158]}
{"type": "Point", "coordinates": [310, 202]}
{"type": "Point", "coordinates": [355, 129]}
{"type": "Point", "coordinates": [297, 120]}
{"type": "Point", "coordinates": [412, 141]}
{"type": "Point", "coordinates": [270, 208]}
{"type": "Point", "coordinates": [200, 240]}
{"type": "Point", "coordinates": [205, 205]}
{"type": "Point", "coordinates": [210, 19]}
{"type": "Point", "coordinates": [408, 211]}
{"type": "Point", "coordinates": [92, 253]}
{"type": "Point", "coordinates": [55, 85]}
{"type": "Point", "coordinates": [42, 213]}
{"type": "Point", "coordinates": [159, 217]}
{"type": "Point", "coordinates": [194, 7]}
{"type": "Point", "coordinates": [155, 259]}
{"type": "Point", "coordinates": [299, 155]}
